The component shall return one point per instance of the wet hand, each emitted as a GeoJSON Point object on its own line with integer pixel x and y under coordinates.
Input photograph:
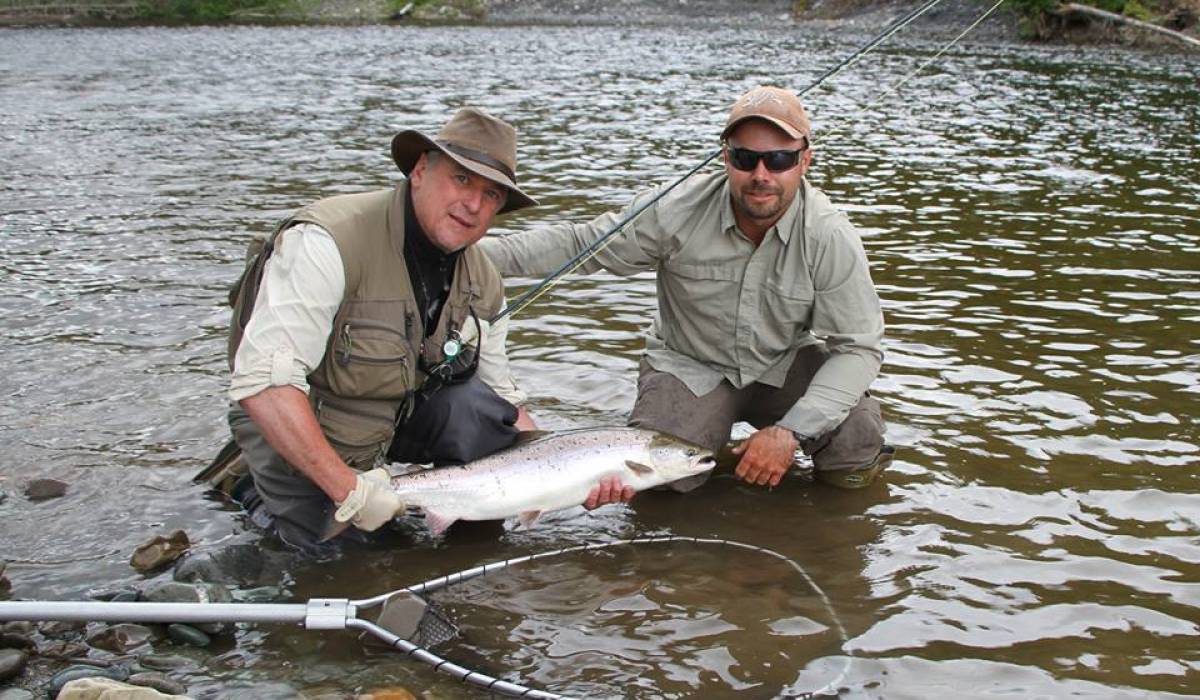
{"type": "Point", "coordinates": [371, 503]}
{"type": "Point", "coordinates": [766, 456]}
{"type": "Point", "coordinates": [609, 490]}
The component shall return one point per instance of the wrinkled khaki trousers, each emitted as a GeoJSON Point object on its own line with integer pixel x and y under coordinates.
{"type": "Point", "coordinates": [664, 403]}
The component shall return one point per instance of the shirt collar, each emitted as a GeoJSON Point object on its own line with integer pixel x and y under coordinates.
{"type": "Point", "coordinates": [782, 228]}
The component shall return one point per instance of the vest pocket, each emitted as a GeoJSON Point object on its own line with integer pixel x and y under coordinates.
{"type": "Point", "coordinates": [359, 431]}
{"type": "Point", "coordinates": [371, 359]}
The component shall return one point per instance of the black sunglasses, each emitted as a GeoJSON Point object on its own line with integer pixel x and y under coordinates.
{"type": "Point", "coordinates": [776, 161]}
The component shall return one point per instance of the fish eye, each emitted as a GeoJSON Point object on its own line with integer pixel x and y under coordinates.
{"type": "Point", "coordinates": [692, 452]}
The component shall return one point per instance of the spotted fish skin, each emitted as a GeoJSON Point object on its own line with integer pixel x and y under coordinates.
{"type": "Point", "coordinates": [549, 473]}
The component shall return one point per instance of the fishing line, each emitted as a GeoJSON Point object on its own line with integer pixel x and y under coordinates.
{"type": "Point", "coordinates": [511, 689]}
{"type": "Point", "coordinates": [601, 243]}
{"type": "Point", "coordinates": [916, 71]}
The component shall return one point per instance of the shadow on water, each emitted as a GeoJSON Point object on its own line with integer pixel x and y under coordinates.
{"type": "Point", "coordinates": [1030, 218]}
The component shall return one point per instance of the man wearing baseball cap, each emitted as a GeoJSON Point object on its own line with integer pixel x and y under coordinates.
{"type": "Point", "coordinates": [360, 333]}
{"type": "Point", "coordinates": [766, 308]}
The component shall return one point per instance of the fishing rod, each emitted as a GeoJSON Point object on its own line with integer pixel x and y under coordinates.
{"type": "Point", "coordinates": [600, 243]}
{"type": "Point", "coordinates": [396, 626]}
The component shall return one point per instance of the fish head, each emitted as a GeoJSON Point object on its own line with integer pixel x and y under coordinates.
{"type": "Point", "coordinates": [674, 458]}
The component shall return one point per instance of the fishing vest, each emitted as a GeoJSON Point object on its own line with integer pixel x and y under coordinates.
{"type": "Point", "coordinates": [377, 349]}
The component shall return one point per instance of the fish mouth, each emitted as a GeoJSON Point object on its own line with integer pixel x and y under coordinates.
{"type": "Point", "coordinates": [707, 463]}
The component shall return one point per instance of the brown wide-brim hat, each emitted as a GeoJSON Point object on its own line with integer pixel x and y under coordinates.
{"type": "Point", "coordinates": [477, 141]}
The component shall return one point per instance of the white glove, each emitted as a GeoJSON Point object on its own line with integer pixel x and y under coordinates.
{"type": "Point", "coordinates": [372, 502]}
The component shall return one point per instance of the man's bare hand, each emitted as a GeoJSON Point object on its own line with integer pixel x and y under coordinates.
{"type": "Point", "coordinates": [609, 490]}
{"type": "Point", "coordinates": [766, 456]}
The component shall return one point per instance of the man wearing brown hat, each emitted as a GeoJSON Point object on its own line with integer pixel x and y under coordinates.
{"type": "Point", "coordinates": [767, 312]}
{"type": "Point", "coordinates": [360, 333]}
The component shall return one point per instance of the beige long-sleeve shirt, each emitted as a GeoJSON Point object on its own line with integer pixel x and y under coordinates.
{"type": "Point", "coordinates": [728, 310]}
{"type": "Point", "coordinates": [303, 285]}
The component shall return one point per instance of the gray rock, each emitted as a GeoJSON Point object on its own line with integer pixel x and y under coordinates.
{"type": "Point", "coordinates": [262, 594]}
{"type": "Point", "coordinates": [72, 673]}
{"type": "Point", "coordinates": [236, 564]}
{"type": "Point", "coordinates": [17, 626]}
{"type": "Point", "coordinates": [168, 662]}
{"type": "Point", "coordinates": [175, 592]}
{"type": "Point", "coordinates": [63, 650]}
{"type": "Point", "coordinates": [118, 595]}
{"type": "Point", "coordinates": [61, 628]}
{"type": "Point", "coordinates": [45, 489]}
{"type": "Point", "coordinates": [186, 634]}
{"type": "Point", "coordinates": [16, 640]}
{"type": "Point", "coordinates": [16, 694]}
{"type": "Point", "coordinates": [12, 663]}
{"type": "Point", "coordinates": [159, 551]}
{"type": "Point", "coordinates": [158, 682]}
{"type": "Point", "coordinates": [121, 638]}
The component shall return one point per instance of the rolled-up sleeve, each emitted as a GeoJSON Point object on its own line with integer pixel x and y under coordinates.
{"type": "Point", "coordinates": [302, 288]}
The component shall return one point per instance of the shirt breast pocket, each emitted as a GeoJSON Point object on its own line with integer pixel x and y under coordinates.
{"type": "Point", "coordinates": [786, 314]}
{"type": "Point", "coordinates": [707, 294]}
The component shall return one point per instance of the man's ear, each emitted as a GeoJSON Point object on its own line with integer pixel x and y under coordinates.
{"type": "Point", "coordinates": [418, 172]}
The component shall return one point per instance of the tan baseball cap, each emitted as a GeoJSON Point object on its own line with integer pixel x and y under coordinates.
{"type": "Point", "coordinates": [477, 141]}
{"type": "Point", "coordinates": [776, 105]}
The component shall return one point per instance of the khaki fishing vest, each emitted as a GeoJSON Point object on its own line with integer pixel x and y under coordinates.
{"type": "Point", "coordinates": [372, 362]}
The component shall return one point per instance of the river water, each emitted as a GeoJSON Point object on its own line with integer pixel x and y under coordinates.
{"type": "Point", "coordinates": [1031, 218]}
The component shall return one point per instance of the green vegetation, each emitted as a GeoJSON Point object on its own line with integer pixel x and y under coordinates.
{"type": "Point", "coordinates": [1041, 18]}
{"type": "Point", "coordinates": [226, 11]}
{"type": "Point", "coordinates": [208, 11]}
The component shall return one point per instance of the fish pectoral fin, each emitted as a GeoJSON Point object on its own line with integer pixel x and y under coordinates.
{"type": "Point", "coordinates": [529, 436]}
{"type": "Point", "coordinates": [638, 467]}
{"type": "Point", "coordinates": [529, 517]}
{"type": "Point", "coordinates": [438, 523]}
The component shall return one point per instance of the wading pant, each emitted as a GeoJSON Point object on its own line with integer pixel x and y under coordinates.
{"type": "Point", "coordinates": [459, 423]}
{"type": "Point", "coordinates": [664, 403]}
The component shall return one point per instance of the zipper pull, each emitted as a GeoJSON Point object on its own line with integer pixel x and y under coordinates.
{"type": "Point", "coordinates": [347, 345]}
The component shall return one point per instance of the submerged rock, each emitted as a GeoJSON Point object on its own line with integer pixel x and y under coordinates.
{"type": "Point", "coordinates": [158, 682]}
{"type": "Point", "coordinates": [12, 663]}
{"type": "Point", "coordinates": [45, 489]}
{"type": "Point", "coordinates": [121, 638]}
{"type": "Point", "coordinates": [16, 640]}
{"type": "Point", "coordinates": [395, 693]}
{"type": "Point", "coordinates": [16, 694]}
{"type": "Point", "coordinates": [61, 628]}
{"type": "Point", "coordinates": [236, 564]}
{"type": "Point", "coordinates": [167, 662]}
{"type": "Point", "coordinates": [186, 634]}
{"type": "Point", "coordinates": [159, 551]}
{"type": "Point", "coordinates": [175, 592]}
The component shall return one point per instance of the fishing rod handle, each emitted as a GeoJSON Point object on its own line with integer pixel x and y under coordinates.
{"type": "Point", "coordinates": [318, 613]}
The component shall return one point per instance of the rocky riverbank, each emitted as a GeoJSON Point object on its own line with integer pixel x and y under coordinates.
{"type": "Point", "coordinates": [1008, 23]}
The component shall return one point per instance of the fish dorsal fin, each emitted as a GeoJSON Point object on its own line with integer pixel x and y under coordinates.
{"type": "Point", "coordinates": [638, 467]}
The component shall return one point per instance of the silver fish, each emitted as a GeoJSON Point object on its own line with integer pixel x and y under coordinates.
{"type": "Point", "coordinates": [547, 473]}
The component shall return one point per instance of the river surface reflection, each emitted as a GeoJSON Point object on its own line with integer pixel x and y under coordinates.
{"type": "Point", "coordinates": [1031, 218]}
